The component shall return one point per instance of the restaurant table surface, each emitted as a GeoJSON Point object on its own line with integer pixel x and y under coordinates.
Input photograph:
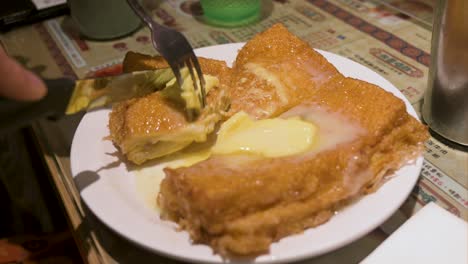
{"type": "Point", "coordinates": [391, 37]}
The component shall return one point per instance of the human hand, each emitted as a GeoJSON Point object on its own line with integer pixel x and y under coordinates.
{"type": "Point", "coordinates": [17, 83]}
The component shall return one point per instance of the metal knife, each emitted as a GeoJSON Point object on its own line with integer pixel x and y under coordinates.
{"type": "Point", "coordinates": [66, 96]}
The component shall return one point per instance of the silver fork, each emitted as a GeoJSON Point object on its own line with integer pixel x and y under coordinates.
{"type": "Point", "coordinates": [175, 48]}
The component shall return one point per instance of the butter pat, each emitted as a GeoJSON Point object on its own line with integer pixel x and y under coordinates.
{"type": "Point", "coordinates": [268, 137]}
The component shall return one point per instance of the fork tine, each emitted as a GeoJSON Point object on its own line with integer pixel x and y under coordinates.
{"type": "Point", "coordinates": [176, 68]}
{"type": "Point", "coordinates": [177, 51]}
{"type": "Point", "coordinates": [196, 84]}
{"type": "Point", "coordinates": [201, 79]}
{"type": "Point", "coordinates": [192, 112]}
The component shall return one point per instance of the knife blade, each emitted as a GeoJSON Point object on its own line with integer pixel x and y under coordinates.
{"type": "Point", "coordinates": [93, 93]}
{"type": "Point", "coordinates": [67, 97]}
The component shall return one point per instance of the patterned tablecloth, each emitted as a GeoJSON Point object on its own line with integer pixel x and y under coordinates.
{"type": "Point", "coordinates": [392, 37]}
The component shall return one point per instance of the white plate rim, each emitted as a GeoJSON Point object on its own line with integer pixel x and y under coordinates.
{"type": "Point", "coordinates": [132, 233]}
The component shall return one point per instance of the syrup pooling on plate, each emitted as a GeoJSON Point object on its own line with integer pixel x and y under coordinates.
{"type": "Point", "coordinates": [148, 178]}
{"type": "Point", "coordinates": [332, 129]}
{"type": "Point", "coordinates": [147, 185]}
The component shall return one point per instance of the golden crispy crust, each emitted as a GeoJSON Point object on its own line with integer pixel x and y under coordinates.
{"type": "Point", "coordinates": [152, 126]}
{"type": "Point", "coordinates": [272, 198]}
{"type": "Point", "coordinates": [241, 204]}
{"type": "Point", "coordinates": [297, 72]}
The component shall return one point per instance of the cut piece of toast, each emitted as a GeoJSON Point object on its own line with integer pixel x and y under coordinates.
{"type": "Point", "coordinates": [153, 126]}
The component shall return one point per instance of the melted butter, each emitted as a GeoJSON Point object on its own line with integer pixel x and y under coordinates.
{"type": "Point", "coordinates": [187, 159]}
{"type": "Point", "coordinates": [274, 137]}
{"type": "Point", "coordinates": [324, 130]}
{"type": "Point", "coordinates": [191, 95]}
{"type": "Point", "coordinates": [187, 93]}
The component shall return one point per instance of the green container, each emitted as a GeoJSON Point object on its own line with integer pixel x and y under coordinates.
{"type": "Point", "coordinates": [230, 13]}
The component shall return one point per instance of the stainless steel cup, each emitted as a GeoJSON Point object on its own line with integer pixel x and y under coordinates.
{"type": "Point", "coordinates": [445, 107]}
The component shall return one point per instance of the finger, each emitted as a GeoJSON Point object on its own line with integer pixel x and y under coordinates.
{"type": "Point", "coordinates": [18, 83]}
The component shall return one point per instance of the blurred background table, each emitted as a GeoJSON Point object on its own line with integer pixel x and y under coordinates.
{"type": "Point", "coordinates": [392, 37]}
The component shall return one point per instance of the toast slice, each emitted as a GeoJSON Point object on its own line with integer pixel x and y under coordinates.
{"type": "Point", "coordinates": [240, 204]}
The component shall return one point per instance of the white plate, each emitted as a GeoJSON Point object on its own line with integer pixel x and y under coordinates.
{"type": "Point", "coordinates": [111, 192]}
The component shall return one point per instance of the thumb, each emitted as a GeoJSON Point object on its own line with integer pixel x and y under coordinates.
{"type": "Point", "coordinates": [18, 83]}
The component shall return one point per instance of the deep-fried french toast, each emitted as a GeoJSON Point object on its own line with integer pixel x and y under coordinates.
{"type": "Point", "coordinates": [240, 203]}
